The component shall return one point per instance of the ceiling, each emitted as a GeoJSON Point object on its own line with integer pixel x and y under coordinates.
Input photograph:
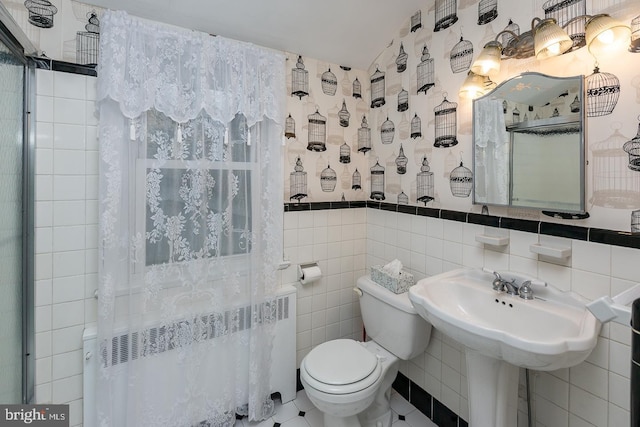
{"type": "Point", "coordinates": [345, 32]}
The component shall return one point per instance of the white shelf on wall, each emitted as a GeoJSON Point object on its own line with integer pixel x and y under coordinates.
{"type": "Point", "coordinates": [550, 251]}
{"type": "Point", "coordinates": [492, 240]}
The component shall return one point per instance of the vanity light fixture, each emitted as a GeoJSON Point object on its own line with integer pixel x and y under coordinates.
{"type": "Point", "coordinates": [547, 39]}
{"type": "Point", "coordinates": [475, 85]}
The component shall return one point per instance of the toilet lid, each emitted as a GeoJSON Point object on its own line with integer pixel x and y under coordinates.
{"type": "Point", "coordinates": [340, 362]}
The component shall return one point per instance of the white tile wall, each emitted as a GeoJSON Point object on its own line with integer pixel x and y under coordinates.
{"type": "Point", "coordinates": [66, 235]}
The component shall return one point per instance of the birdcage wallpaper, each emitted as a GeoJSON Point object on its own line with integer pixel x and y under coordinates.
{"type": "Point", "coordinates": [344, 115]}
{"type": "Point", "coordinates": [289, 127]}
{"type": "Point", "coordinates": [317, 140]}
{"type": "Point", "coordinates": [403, 199]}
{"type": "Point", "coordinates": [364, 136]}
{"type": "Point", "coordinates": [377, 182]}
{"type": "Point", "coordinates": [487, 11]}
{"type": "Point", "coordinates": [328, 179]}
{"type": "Point", "coordinates": [401, 60]}
{"type": "Point", "coordinates": [357, 89]}
{"type": "Point", "coordinates": [446, 14]}
{"type": "Point", "coordinates": [416, 21]}
{"type": "Point", "coordinates": [356, 180]}
{"type": "Point", "coordinates": [299, 80]}
{"type": "Point", "coordinates": [613, 184]}
{"type": "Point", "coordinates": [401, 162]}
{"type": "Point", "coordinates": [603, 91]}
{"type": "Point", "coordinates": [88, 42]}
{"type": "Point", "coordinates": [575, 105]}
{"type": "Point", "coordinates": [516, 115]}
{"type": "Point", "coordinates": [298, 182]}
{"type": "Point", "coordinates": [426, 75]}
{"type": "Point", "coordinates": [634, 46]}
{"type": "Point", "coordinates": [461, 181]}
{"type": "Point", "coordinates": [446, 124]}
{"type": "Point", "coordinates": [506, 37]}
{"type": "Point", "coordinates": [329, 83]}
{"type": "Point", "coordinates": [424, 183]}
{"type": "Point", "coordinates": [416, 127]}
{"type": "Point", "coordinates": [345, 153]}
{"type": "Point", "coordinates": [565, 10]}
{"type": "Point", "coordinates": [403, 100]}
{"type": "Point", "coordinates": [461, 56]}
{"type": "Point", "coordinates": [632, 148]}
{"type": "Point", "coordinates": [41, 12]}
{"type": "Point", "coordinates": [387, 131]}
{"type": "Point", "coordinates": [377, 89]}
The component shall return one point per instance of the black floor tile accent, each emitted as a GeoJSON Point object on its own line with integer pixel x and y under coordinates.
{"type": "Point", "coordinates": [301, 413]}
{"type": "Point", "coordinates": [401, 417]}
{"type": "Point", "coordinates": [443, 416]}
{"type": "Point", "coordinates": [420, 399]}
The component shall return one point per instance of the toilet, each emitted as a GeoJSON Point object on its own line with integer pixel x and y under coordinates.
{"type": "Point", "coordinates": [350, 381]}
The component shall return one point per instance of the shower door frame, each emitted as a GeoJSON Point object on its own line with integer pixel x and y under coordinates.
{"type": "Point", "coordinates": [14, 39]}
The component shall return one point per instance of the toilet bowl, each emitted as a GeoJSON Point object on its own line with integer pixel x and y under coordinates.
{"type": "Point", "coordinates": [350, 381]}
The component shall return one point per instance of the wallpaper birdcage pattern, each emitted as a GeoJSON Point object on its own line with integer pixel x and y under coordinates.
{"type": "Point", "coordinates": [403, 100]}
{"type": "Point", "coordinates": [446, 14]}
{"type": "Point", "coordinates": [317, 140]}
{"type": "Point", "coordinates": [329, 83]}
{"type": "Point", "coordinates": [344, 115]}
{"type": "Point", "coordinates": [401, 162]}
{"type": "Point", "coordinates": [345, 153]}
{"type": "Point", "coordinates": [403, 199]}
{"type": "Point", "coordinates": [565, 10]}
{"type": "Point", "coordinates": [387, 131]}
{"type": "Point", "coordinates": [298, 182]}
{"type": "Point", "coordinates": [377, 182]}
{"type": "Point", "coordinates": [632, 148]}
{"type": "Point", "coordinates": [446, 124]}
{"type": "Point", "coordinates": [613, 184]}
{"type": "Point", "coordinates": [634, 46]}
{"type": "Point", "coordinates": [461, 56]}
{"type": "Point", "coordinates": [356, 180]}
{"type": "Point", "coordinates": [88, 42]}
{"type": "Point", "coordinates": [289, 127]}
{"type": "Point", "coordinates": [424, 183]}
{"type": "Point", "coordinates": [41, 13]}
{"type": "Point", "coordinates": [416, 21]}
{"type": "Point", "coordinates": [507, 37]}
{"type": "Point", "coordinates": [357, 89]}
{"type": "Point", "coordinates": [425, 75]}
{"type": "Point", "coordinates": [299, 80]}
{"type": "Point", "coordinates": [603, 91]}
{"type": "Point", "coordinates": [401, 60]}
{"type": "Point", "coordinates": [416, 127]}
{"type": "Point", "coordinates": [461, 181]}
{"type": "Point", "coordinates": [328, 179]}
{"type": "Point", "coordinates": [487, 11]}
{"type": "Point", "coordinates": [364, 136]}
{"type": "Point", "coordinates": [515, 114]}
{"type": "Point", "coordinates": [575, 105]}
{"type": "Point", "coordinates": [377, 89]}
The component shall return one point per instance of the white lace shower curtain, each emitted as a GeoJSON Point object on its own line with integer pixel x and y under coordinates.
{"type": "Point", "coordinates": [190, 224]}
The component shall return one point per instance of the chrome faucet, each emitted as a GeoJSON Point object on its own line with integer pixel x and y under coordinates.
{"type": "Point", "coordinates": [501, 285]}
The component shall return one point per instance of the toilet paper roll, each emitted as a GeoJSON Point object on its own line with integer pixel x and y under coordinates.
{"type": "Point", "coordinates": [309, 273]}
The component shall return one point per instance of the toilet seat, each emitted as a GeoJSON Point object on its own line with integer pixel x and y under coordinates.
{"type": "Point", "coordinates": [341, 366]}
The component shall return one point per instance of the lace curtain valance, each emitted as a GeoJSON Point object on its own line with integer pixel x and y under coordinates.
{"type": "Point", "coordinates": [180, 72]}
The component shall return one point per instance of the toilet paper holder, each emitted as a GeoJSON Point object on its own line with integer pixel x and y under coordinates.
{"type": "Point", "coordinates": [306, 266]}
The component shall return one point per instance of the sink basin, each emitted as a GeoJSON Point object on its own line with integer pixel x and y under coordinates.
{"type": "Point", "coordinates": [552, 331]}
{"type": "Point", "coordinates": [502, 333]}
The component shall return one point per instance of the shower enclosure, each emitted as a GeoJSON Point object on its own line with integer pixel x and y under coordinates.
{"type": "Point", "coordinates": [16, 223]}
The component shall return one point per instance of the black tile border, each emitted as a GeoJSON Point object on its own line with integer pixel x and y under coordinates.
{"type": "Point", "coordinates": [595, 235]}
{"type": "Point", "coordinates": [44, 63]}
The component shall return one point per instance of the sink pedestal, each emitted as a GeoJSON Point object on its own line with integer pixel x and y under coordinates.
{"type": "Point", "coordinates": [493, 391]}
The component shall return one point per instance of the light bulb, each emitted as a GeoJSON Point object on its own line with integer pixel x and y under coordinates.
{"type": "Point", "coordinates": [554, 49]}
{"type": "Point", "coordinates": [606, 37]}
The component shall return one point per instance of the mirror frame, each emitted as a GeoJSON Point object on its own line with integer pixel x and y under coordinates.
{"type": "Point", "coordinates": [513, 81]}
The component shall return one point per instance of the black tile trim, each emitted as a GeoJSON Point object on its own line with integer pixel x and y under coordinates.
{"type": "Point", "coordinates": [65, 67]}
{"type": "Point", "coordinates": [596, 235]}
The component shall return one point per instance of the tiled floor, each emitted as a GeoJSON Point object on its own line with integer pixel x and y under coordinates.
{"type": "Point", "coordinates": [301, 413]}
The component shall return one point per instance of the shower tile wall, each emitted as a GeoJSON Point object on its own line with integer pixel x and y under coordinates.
{"type": "Point", "coordinates": [66, 233]}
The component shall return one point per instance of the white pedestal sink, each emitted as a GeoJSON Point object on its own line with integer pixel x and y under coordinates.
{"type": "Point", "coordinates": [502, 333]}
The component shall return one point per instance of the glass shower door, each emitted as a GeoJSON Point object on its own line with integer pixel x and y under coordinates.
{"type": "Point", "coordinates": [12, 75]}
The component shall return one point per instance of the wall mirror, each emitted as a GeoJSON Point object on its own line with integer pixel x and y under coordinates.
{"type": "Point", "coordinates": [529, 150]}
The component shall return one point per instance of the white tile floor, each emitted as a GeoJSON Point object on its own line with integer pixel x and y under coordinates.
{"type": "Point", "coordinates": [301, 413]}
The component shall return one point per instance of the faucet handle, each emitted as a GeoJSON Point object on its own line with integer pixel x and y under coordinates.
{"type": "Point", "coordinates": [498, 284]}
{"type": "Point", "coordinates": [525, 290]}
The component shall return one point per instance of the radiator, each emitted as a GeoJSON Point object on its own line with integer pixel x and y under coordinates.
{"type": "Point", "coordinates": [283, 355]}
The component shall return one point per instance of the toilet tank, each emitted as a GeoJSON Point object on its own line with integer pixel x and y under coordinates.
{"type": "Point", "coordinates": [391, 321]}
